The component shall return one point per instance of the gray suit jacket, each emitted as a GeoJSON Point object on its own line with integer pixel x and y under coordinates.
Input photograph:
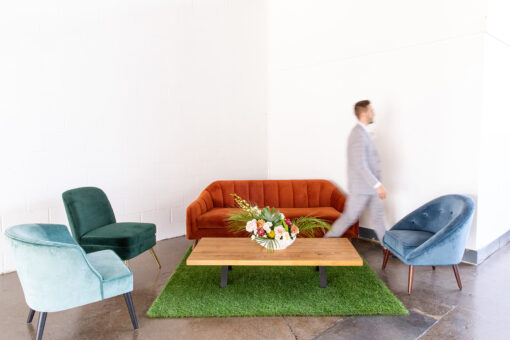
{"type": "Point", "coordinates": [363, 165]}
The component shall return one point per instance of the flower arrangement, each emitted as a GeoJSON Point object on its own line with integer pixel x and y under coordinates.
{"type": "Point", "coordinates": [269, 227]}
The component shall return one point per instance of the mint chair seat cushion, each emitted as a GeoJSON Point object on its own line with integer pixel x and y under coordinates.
{"type": "Point", "coordinates": [404, 241]}
{"type": "Point", "coordinates": [127, 239]}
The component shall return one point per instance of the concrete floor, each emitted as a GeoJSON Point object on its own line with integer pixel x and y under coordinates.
{"type": "Point", "coordinates": [438, 310]}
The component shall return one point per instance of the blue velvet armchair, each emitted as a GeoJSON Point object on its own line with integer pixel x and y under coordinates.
{"type": "Point", "coordinates": [56, 274]}
{"type": "Point", "coordinates": [433, 235]}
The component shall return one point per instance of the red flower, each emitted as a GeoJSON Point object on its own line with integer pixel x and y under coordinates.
{"type": "Point", "coordinates": [261, 232]}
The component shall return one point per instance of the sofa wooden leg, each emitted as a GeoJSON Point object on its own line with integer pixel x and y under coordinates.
{"type": "Point", "coordinates": [410, 283]}
{"type": "Point", "coordinates": [457, 276]}
{"type": "Point", "coordinates": [433, 267]}
{"type": "Point", "coordinates": [195, 242]}
{"type": "Point", "coordinates": [385, 260]}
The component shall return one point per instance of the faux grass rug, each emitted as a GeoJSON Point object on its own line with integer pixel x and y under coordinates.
{"type": "Point", "coordinates": [194, 291]}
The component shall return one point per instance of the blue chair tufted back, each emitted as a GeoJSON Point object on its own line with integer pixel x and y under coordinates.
{"type": "Point", "coordinates": [437, 214]}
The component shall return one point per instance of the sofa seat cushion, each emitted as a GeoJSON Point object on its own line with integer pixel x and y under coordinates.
{"type": "Point", "coordinates": [215, 218]}
{"type": "Point", "coordinates": [404, 241]}
{"type": "Point", "coordinates": [117, 278]}
{"type": "Point", "coordinates": [326, 213]}
{"type": "Point", "coordinates": [127, 239]}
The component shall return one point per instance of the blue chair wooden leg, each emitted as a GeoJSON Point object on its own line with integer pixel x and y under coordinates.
{"type": "Point", "coordinates": [30, 315]}
{"type": "Point", "coordinates": [40, 325]}
{"type": "Point", "coordinates": [386, 256]}
{"type": "Point", "coordinates": [457, 276]}
{"type": "Point", "coordinates": [410, 282]}
{"type": "Point", "coordinates": [131, 308]}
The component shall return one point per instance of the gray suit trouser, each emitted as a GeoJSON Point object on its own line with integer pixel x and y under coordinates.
{"type": "Point", "coordinates": [355, 205]}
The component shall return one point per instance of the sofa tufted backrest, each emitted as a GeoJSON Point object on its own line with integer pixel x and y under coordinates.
{"type": "Point", "coordinates": [273, 193]}
{"type": "Point", "coordinates": [437, 214]}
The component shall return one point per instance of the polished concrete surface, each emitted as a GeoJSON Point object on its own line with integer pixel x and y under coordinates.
{"type": "Point", "coordinates": [438, 310]}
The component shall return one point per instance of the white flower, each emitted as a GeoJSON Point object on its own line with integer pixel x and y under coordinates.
{"type": "Point", "coordinates": [283, 216]}
{"type": "Point", "coordinates": [251, 226]}
{"type": "Point", "coordinates": [252, 237]}
{"type": "Point", "coordinates": [286, 236]}
{"type": "Point", "coordinates": [267, 227]}
{"type": "Point", "coordinates": [278, 231]}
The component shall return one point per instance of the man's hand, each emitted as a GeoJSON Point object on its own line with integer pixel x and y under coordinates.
{"type": "Point", "coordinates": [381, 192]}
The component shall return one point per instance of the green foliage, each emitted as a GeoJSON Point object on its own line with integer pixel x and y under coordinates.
{"type": "Point", "coordinates": [271, 215]}
{"type": "Point", "coordinates": [193, 291]}
{"type": "Point", "coordinates": [308, 224]}
{"type": "Point", "coordinates": [236, 223]}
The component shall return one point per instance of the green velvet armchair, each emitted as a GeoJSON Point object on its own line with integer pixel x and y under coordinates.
{"type": "Point", "coordinates": [56, 274]}
{"type": "Point", "coordinates": [94, 227]}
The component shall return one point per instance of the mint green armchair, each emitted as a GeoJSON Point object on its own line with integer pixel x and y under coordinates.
{"type": "Point", "coordinates": [56, 274]}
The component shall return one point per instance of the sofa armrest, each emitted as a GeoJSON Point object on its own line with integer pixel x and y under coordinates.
{"type": "Point", "coordinates": [198, 207]}
{"type": "Point", "coordinates": [338, 200]}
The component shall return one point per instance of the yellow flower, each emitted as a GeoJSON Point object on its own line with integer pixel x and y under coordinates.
{"type": "Point", "coordinates": [271, 234]}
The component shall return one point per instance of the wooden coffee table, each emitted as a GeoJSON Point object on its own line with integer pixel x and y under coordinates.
{"type": "Point", "coordinates": [228, 252]}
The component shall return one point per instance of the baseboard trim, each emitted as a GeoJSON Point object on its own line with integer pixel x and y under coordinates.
{"type": "Point", "coordinates": [470, 256]}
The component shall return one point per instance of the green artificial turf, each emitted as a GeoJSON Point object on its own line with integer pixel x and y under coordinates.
{"type": "Point", "coordinates": [194, 291]}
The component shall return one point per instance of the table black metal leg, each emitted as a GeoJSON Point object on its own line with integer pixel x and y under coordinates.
{"type": "Point", "coordinates": [322, 276]}
{"type": "Point", "coordinates": [224, 276]}
{"type": "Point", "coordinates": [229, 267]}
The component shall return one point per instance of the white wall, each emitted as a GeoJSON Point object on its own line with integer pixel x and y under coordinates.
{"type": "Point", "coordinates": [149, 100]}
{"type": "Point", "coordinates": [494, 188]}
{"type": "Point", "coordinates": [153, 100]}
{"type": "Point", "coordinates": [421, 65]}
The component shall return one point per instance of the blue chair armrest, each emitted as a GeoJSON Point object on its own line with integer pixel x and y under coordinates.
{"type": "Point", "coordinates": [446, 247]}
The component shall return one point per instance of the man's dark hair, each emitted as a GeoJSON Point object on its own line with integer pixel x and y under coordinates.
{"type": "Point", "coordinates": [360, 107]}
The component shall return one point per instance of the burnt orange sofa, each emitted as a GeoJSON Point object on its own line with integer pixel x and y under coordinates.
{"type": "Point", "coordinates": [205, 217]}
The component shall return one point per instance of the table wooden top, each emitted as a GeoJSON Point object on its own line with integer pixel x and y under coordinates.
{"type": "Point", "coordinates": [246, 252]}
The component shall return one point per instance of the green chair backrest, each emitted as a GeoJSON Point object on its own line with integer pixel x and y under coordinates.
{"type": "Point", "coordinates": [87, 209]}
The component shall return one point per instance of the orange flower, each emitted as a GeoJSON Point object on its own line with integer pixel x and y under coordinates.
{"type": "Point", "coordinates": [294, 229]}
{"type": "Point", "coordinates": [260, 223]}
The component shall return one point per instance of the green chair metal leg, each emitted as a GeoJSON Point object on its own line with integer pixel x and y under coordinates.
{"type": "Point", "coordinates": [155, 257]}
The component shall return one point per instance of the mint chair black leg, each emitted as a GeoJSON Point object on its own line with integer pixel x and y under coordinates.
{"type": "Point", "coordinates": [30, 315]}
{"type": "Point", "coordinates": [129, 303]}
{"type": "Point", "coordinates": [40, 325]}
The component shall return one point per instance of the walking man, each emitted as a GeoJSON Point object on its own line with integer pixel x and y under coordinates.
{"type": "Point", "coordinates": [364, 174]}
